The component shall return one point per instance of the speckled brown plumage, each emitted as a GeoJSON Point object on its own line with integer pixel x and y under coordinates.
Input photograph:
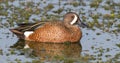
{"type": "Point", "coordinates": [67, 30]}
{"type": "Point", "coordinates": [56, 32]}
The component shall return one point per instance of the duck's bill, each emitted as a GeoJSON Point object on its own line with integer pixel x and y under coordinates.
{"type": "Point", "coordinates": [81, 24]}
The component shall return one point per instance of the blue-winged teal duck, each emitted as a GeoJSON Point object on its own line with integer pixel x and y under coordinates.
{"type": "Point", "coordinates": [67, 30]}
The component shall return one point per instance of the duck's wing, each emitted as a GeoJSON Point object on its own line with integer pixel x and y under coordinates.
{"type": "Point", "coordinates": [25, 24]}
{"type": "Point", "coordinates": [19, 31]}
{"type": "Point", "coordinates": [29, 26]}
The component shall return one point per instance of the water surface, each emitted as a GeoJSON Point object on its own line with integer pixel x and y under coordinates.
{"type": "Point", "coordinates": [100, 42]}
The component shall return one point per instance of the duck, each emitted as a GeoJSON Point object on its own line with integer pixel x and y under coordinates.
{"type": "Point", "coordinates": [56, 31]}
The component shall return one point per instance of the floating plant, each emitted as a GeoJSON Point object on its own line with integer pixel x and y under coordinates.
{"type": "Point", "coordinates": [75, 4]}
{"type": "Point", "coordinates": [49, 7]}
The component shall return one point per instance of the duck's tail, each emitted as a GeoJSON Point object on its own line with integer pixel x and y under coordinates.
{"type": "Point", "coordinates": [18, 33]}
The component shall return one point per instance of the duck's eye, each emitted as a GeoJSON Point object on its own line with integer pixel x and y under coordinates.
{"type": "Point", "coordinates": [72, 16]}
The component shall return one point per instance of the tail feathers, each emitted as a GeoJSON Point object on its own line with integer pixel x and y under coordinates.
{"type": "Point", "coordinates": [23, 27]}
{"type": "Point", "coordinates": [18, 33]}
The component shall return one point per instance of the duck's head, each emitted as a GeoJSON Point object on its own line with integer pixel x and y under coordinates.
{"type": "Point", "coordinates": [72, 18]}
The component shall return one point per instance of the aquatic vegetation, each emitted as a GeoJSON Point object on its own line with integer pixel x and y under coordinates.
{"type": "Point", "coordinates": [95, 3]}
{"type": "Point", "coordinates": [118, 45]}
{"type": "Point", "coordinates": [109, 16]}
{"type": "Point", "coordinates": [106, 7]}
{"type": "Point", "coordinates": [12, 51]}
{"type": "Point", "coordinates": [69, 61]}
{"type": "Point", "coordinates": [59, 10]}
{"type": "Point", "coordinates": [49, 7]}
{"type": "Point", "coordinates": [95, 16]}
{"type": "Point", "coordinates": [75, 4]}
{"type": "Point", "coordinates": [118, 25]}
{"type": "Point", "coordinates": [1, 52]}
{"type": "Point", "coordinates": [98, 33]}
{"type": "Point", "coordinates": [36, 61]}
{"type": "Point", "coordinates": [18, 60]}
{"type": "Point", "coordinates": [91, 24]}
{"type": "Point", "coordinates": [98, 14]}
{"type": "Point", "coordinates": [117, 57]}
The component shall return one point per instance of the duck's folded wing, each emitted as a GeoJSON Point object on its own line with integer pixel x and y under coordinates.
{"type": "Point", "coordinates": [19, 31]}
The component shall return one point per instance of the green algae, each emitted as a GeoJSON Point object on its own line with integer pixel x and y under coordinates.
{"type": "Point", "coordinates": [49, 7]}
{"type": "Point", "coordinates": [75, 4]}
{"type": "Point", "coordinates": [23, 14]}
{"type": "Point", "coordinates": [60, 10]}
{"type": "Point", "coordinates": [95, 3]}
{"type": "Point", "coordinates": [118, 45]}
{"type": "Point", "coordinates": [1, 52]}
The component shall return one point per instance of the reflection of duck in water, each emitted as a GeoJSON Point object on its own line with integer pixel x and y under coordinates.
{"type": "Point", "coordinates": [52, 31]}
{"type": "Point", "coordinates": [51, 50]}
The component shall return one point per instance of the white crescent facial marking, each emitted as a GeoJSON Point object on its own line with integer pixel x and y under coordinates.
{"type": "Point", "coordinates": [74, 20]}
{"type": "Point", "coordinates": [27, 33]}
